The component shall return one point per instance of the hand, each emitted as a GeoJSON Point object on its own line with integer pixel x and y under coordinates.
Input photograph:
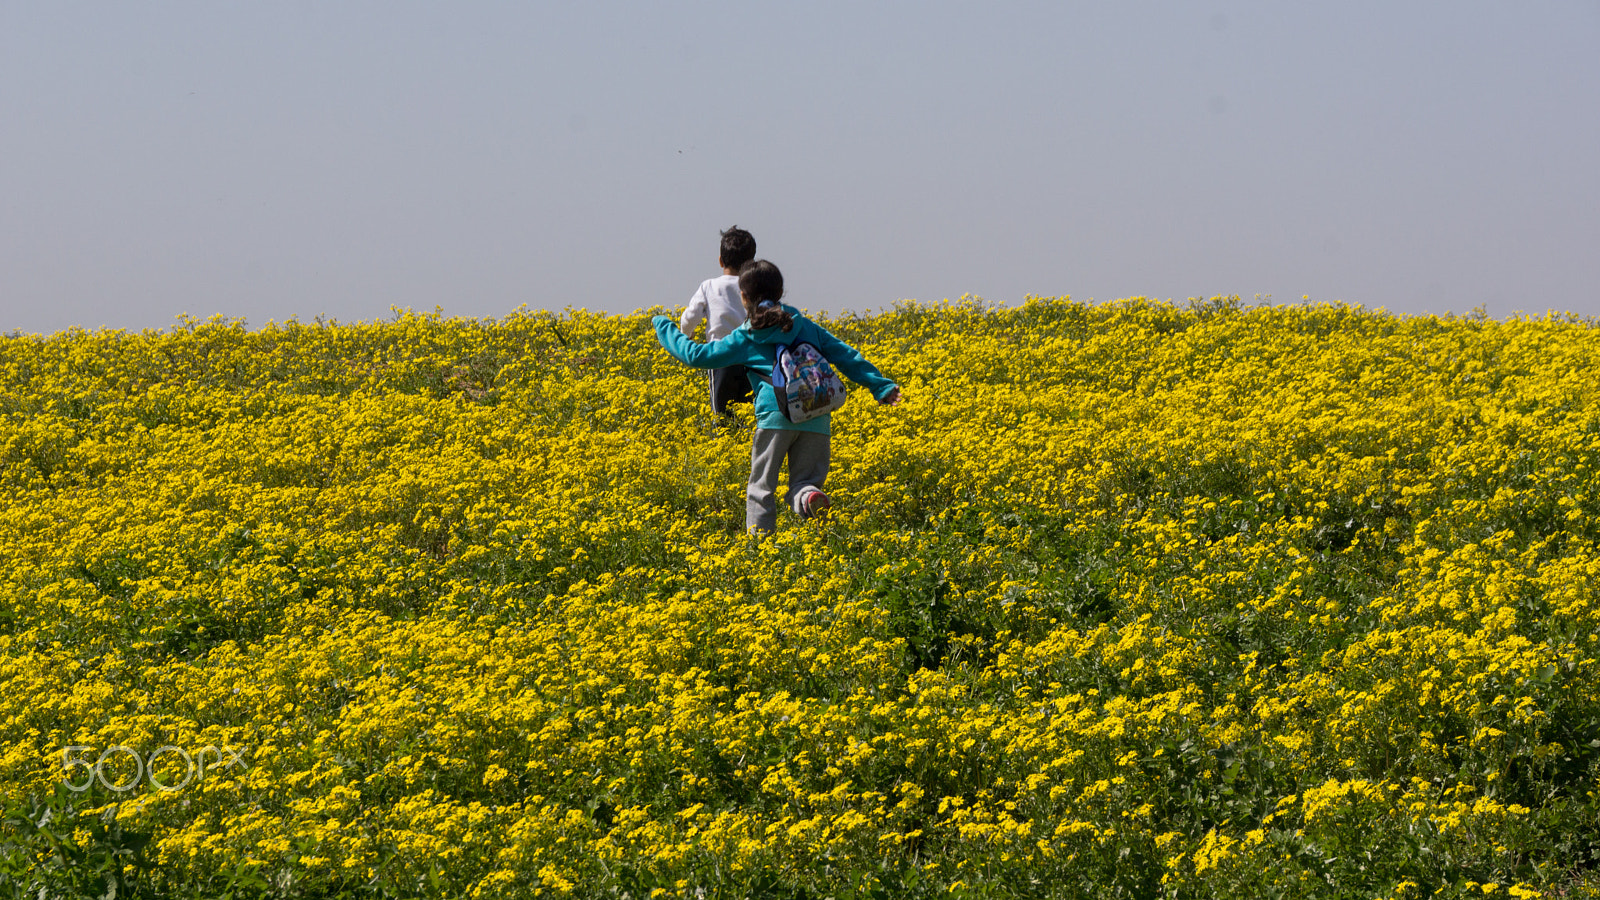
{"type": "Point", "coordinates": [892, 400]}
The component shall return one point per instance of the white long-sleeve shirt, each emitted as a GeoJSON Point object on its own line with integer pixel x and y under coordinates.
{"type": "Point", "coordinates": [717, 304]}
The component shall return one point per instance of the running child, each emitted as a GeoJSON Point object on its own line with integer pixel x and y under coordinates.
{"type": "Point", "coordinates": [805, 445]}
{"type": "Point", "coordinates": [717, 304]}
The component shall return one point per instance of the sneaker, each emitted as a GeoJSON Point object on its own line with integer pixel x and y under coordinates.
{"type": "Point", "coordinates": [811, 502]}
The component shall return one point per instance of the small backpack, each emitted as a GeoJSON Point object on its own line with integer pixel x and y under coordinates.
{"type": "Point", "coordinates": [806, 385]}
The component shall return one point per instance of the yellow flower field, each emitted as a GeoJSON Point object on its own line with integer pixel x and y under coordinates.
{"type": "Point", "coordinates": [1126, 600]}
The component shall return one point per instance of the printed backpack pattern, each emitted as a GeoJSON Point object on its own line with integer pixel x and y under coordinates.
{"type": "Point", "coordinates": [807, 387]}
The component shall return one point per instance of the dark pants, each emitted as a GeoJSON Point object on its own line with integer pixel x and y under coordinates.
{"type": "Point", "coordinates": [729, 385]}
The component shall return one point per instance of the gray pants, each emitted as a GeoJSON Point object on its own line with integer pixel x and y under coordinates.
{"type": "Point", "coordinates": [807, 453]}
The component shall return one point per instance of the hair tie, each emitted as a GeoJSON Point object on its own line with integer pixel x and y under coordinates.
{"type": "Point", "coordinates": [765, 303]}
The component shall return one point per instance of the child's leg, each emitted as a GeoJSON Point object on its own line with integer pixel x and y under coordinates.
{"type": "Point", "coordinates": [808, 464]}
{"type": "Point", "coordinates": [767, 452]}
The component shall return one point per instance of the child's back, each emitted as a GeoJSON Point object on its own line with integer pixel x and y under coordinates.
{"type": "Point", "coordinates": [717, 303]}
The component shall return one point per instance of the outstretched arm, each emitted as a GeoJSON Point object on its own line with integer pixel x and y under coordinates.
{"type": "Point", "coordinates": [849, 361]}
{"type": "Point", "coordinates": [729, 351]}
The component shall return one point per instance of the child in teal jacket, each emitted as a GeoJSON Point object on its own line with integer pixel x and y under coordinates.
{"type": "Point", "coordinates": [806, 445]}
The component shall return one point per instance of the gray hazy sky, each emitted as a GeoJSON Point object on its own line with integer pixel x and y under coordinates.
{"type": "Point", "coordinates": [282, 159]}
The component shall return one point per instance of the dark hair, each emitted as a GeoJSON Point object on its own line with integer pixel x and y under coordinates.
{"type": "Point", "coordinates": [761, 286]}
{"type": "Point", "coordinates": [738, 248]}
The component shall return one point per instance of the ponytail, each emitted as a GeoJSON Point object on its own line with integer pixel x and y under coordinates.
{"type": "Point", "coordinates": [769, 313]}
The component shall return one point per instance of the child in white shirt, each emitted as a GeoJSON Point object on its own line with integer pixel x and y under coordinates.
{"type": "Point", "coordinates": [717, 303]}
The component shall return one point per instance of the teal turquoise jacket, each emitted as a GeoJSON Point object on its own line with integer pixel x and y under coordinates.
{"type": "Point", "coordinates": [756, 350]}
